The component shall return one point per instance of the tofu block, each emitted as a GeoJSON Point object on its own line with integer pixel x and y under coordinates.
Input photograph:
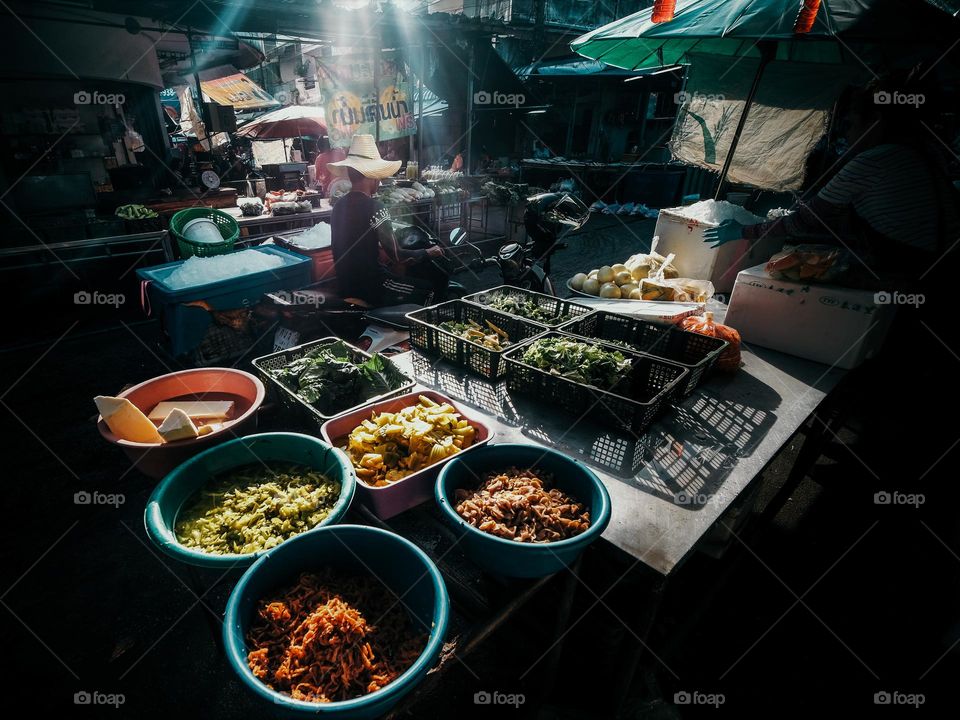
{"type": "Point", "coordinates": [178, 426]}
{"type": "Point", "coordinates": [195, 409]}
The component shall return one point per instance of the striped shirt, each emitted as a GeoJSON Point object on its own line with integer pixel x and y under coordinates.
{"type": "Point", "coordinates": [893, 190]}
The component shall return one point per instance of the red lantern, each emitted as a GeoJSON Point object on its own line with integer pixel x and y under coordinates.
{"type": "Point", "coordinates": [807, 16]}
{"type": "Point", "coordinates": [663, 10]}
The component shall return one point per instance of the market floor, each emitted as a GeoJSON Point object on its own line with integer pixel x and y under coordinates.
{"type": "Point", "coordinates": [836, 600]}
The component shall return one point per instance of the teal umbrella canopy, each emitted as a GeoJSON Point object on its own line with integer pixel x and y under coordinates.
{"type": "Point", "coordinates": [844, 31]}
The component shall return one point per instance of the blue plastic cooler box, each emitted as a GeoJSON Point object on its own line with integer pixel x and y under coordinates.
{"type": "Point", "coordinates": [187, 326]}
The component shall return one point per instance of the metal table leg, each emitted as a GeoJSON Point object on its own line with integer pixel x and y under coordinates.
{"type": "Point", "coordinates": [565, 605]}
{"type": "Point", "coordinates": [632, 650]}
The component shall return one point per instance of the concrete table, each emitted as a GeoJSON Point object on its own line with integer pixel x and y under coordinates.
{"type": "Point", "coordinates": [669, 485]}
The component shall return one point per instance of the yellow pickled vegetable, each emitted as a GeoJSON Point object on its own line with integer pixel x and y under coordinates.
{"type": "Point", "coordinates": [406, 441]}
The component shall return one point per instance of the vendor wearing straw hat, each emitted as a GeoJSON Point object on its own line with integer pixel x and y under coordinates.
{"type": "Point", "coordinates": [362, 235]}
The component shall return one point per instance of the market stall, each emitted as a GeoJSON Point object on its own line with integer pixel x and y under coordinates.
{"type": "Point", "coordinates": [458, 471]}
{"type": "Point", "coordinates": [674, 480]}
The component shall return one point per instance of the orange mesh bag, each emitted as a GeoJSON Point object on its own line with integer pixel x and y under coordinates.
{"type": "Point", "coordinates": [729, 359]}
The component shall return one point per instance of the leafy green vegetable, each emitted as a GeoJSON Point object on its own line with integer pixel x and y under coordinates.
{"type": "Point", "coordinates": [329, 380]}
{"type": "Point", "coordinates": [514, 305]}
{"type": "Point", "coordinates": [578, 361]}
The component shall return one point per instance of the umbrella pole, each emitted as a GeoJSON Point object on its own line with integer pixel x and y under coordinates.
{"type": "Point", "coordinates": [767, 50]}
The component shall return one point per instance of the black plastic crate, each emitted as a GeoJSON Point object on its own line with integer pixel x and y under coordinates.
{"type": "Point", "coordinates": [561, 310]}
{"type": "Point", "coordinates": [428, 337]}
{"type": "Point", "coordinates": [289, 399]}
{"type": "Point", "coordinates": [698, 353]}
{"type": "Point", "coordinates": [631, 404]}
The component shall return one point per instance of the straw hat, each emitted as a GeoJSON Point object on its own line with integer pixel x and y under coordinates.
{"type": "Point", "coordinates": [364, 157]}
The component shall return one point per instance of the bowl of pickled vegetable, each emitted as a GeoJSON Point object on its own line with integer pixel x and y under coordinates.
{"type": "Point", "coordinates": [231, 504]}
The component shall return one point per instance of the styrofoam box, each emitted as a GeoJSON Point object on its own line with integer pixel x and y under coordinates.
{"type": "Point", "coordinates": [696, 259]}
{"type": "Point", "coordinates": [838, 326]}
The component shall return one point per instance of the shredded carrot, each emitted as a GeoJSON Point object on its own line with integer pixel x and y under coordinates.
{"type": "Point", "coordinates": [315, 641]}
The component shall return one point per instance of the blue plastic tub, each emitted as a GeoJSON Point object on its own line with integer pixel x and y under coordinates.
{"type": "Point", "coordinates": [405, 570]}
{"type": "Point", "coordinates": [179, 486]}
{"type": "Point", "coordinates": [187, 326]}
{"type": "Point", "coordinates": [507, 557]}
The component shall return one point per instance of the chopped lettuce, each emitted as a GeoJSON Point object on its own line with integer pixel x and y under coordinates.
{"type": "Point", "coordinates": [581, 362]}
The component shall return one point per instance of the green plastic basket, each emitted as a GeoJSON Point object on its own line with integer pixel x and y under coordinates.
{"type": "Point", "coordinates": [229, 231]}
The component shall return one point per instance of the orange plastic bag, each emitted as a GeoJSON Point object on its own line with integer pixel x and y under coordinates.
{"type": "Point", "coordinates": [729, 359]}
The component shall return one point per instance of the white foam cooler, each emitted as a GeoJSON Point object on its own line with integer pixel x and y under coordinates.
{"type": "Point", "coordinates": [838, 326]}
{"type": "Point", "coordinates": [696, 259]}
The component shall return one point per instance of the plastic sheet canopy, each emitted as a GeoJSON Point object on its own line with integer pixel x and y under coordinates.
{"type": "Point", "coordinates": [790, 113]}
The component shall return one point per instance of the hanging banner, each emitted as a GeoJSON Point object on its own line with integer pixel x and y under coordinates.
{"type": "Point", "coordinates": [358, 95]}
{"type": "Point", "coordinates": [239, 91]}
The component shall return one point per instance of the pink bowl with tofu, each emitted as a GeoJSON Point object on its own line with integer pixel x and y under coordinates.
{"type": "Point", "coordinates": [203, 384]}
{"type": "Point", "coordinates": [416, 488]}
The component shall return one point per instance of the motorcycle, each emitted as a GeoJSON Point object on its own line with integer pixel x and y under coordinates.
{"type": "Point", "coordinates": [319, 310]}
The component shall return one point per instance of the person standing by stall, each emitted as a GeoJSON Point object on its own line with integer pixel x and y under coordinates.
{"type": "Point", "coordinates": [325, 156]}
{"type": "Point", "coordinates": [892, 203]}
{"type": "Point", "coordinates": [367, 259]}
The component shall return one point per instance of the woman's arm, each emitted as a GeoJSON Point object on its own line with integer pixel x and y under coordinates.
{"type": "Point", "coordinates": [817, 218]}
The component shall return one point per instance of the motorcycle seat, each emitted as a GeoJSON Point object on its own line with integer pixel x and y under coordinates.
{"type": "Point", "coordinates": [393, 315]}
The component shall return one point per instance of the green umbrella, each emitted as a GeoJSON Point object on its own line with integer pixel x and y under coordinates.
{"type": "Point", "coordinates": [735, 28]}
{"type": "Point", "coordinates": [843, 32]}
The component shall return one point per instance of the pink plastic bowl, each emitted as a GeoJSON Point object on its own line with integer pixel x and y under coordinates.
{"type": "Point", "coordinates": [416, 488]}
{"type": "Point", "coordinates": [156, 461]}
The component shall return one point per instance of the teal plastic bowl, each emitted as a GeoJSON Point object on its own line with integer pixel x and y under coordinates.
{"type": "Point", "coordinates": [507, 557]}
{"type": "Point", "coordinates": [179, 486]}
{"type": "Point", "coordinates": [404, 569]}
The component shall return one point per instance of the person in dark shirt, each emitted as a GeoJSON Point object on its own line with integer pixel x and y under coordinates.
{"type": "Point", "coordinates": [891, 204]}
{"type": "Point", "coordinates": [368, 261]}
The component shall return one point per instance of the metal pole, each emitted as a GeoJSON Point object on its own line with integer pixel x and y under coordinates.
{"type": "Point", "coordinates": [377, 58]}
{"type": "Point", "coordinates": [423, 69]}
{"type": "Point", "coordinates": [204, 110]}
{"type": "Point", "coordinates": [470, 76]}
{"type": "Point", "coordinates": [766, 55]}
